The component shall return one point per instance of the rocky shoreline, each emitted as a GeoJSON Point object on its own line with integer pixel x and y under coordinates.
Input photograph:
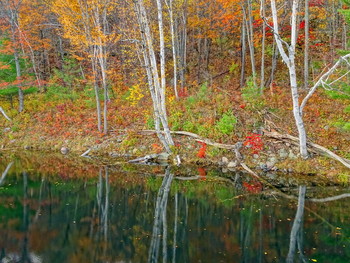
{"type": "Point", "coordinates": [275, 157]}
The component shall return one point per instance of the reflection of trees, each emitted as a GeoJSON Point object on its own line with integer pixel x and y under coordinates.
{"type": "Point", "coordinates": [24, 256]}
{"type": "Point", "coordinates": [3, 176]}
{"type": "Point", "coordinates": [160, 220]}
{"type": "Point", "coordinates": [103, 192]}
{"type": "Point", "coordinates": [296, 234]}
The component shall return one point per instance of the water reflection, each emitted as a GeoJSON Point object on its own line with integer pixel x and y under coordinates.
{"type": "Point", "coordinates": [296, 235]}
{"type": "Point", "coordinates": [160, 220]}
{"type": "Point", "coordinates": [113, 217]}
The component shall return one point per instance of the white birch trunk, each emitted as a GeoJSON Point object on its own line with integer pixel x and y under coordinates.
{"type": "Point", "coordinates": [290, 61]}
{"type": "Point", "coordinates": [262, 72]}
{"type": "Point", "coordinates": [156, 82]}
{"type": "Point", "coordinates": [173, 44]}
{"type": "Point", "coordinates": [306, 47]}
{"type": "Point", "coordinates": [96, 89]}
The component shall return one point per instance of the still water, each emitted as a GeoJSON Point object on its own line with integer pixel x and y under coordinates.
{"type": "Point", "coordinates": [63, 211]}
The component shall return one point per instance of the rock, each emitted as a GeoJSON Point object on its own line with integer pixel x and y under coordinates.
{"type": "Point", "coordinates": [232, 164]}
{"type": "Point", "coordinates": [271, 176]}
{"type": "Point", "coordinates": [224, 170]}
{"type": "Point", "coordinates": [224, 160]}
{"type": "Point", "coordinates": [282, 153]}
{"type": "Point", "coordinates": [271, 162]}
{"type": "Point", "coordinates": [64, 150]}
{"type": "Point", "coordinates": [262, 166]}
{"type": "Point", "coordinates": [255, 156]}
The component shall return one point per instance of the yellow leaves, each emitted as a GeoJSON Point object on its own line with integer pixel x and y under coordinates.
{"type": "Point", "coordinates": [82, 21]}
{"type": "Point", "coordinates": [135, 95]}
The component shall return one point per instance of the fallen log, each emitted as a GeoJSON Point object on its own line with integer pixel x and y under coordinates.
{"type": "Point", "coordinates": [311, 146]}
{"type": "Point", "coordinates": [197, 137]}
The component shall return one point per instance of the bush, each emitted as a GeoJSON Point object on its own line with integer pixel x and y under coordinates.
{"type": "Point", "coordinates": [226, 125]}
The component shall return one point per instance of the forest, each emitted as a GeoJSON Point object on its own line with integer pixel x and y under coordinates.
{"type": "Point", "coordinates": [263, 83]}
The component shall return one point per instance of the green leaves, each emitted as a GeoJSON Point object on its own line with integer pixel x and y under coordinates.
{"type": "Point", "coordinates": [227, 123]}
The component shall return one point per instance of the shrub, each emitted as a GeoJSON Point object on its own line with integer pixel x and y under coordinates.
{"type": "Point", "coordinates": [227, 123]}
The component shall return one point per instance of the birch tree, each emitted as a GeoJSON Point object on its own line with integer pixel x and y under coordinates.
{"type": "Point", "coordinates": [85, 24]}
{"type": "Point", "coordinates": [288, 54]}
{"type": "Point", "coordinates": [156, 79]}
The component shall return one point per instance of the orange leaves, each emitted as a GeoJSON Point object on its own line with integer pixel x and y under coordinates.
{"type": "Point", "coordinates": [157, 148]}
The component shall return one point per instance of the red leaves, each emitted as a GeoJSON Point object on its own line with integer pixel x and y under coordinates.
{"type": "Point", "coordinates": [202, 173]}
{"type": "Point", "coordinates": [253, 187]}
{"type": "Point", "coordinates": [183, 93]}
{"type": "Point", "coordinates": [202, 150]}
{"type": "Point", "coordinates": [254, 142]}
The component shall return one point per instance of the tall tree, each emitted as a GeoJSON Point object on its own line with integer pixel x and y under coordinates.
{"type": "Point", "coordinates": [156, 81]}
{"type": "Point", "coordinates": [85, 24]}
{"type": "Point", "coordinates": [289, 58]}
{"type": "Point", "coordinates": [10, 10]}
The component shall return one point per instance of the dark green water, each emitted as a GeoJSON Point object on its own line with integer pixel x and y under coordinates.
{"type": "Point", "coordinates": [58, 212]}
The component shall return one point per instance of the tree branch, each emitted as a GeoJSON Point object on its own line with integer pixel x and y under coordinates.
{"type": "Point", "coordinates": [321, 80]}
{"type": "Point", "coordinates": [315, 147]}
{"type": "Point", "coordinates": [4, 113]}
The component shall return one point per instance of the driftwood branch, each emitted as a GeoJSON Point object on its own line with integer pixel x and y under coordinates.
{"type": "Point", "coordinates": [312, 146]}
{"type": "Point", "coordinates": [4, 113]}
{"type": "Point", "coordinates": [196, 137]}
{"type": "Point", "coordinates": [85, 154]}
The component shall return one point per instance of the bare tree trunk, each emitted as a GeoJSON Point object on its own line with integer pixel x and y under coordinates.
{"type": "Point", "coordinates": [96, 89]}
{"type": "Point", "coordinates": [183, 46]}
{"type": "Point", "coordinates": [243, 54]}
{"type": "Point", "coordinates": [17, 62]}
{"type": "Point", "coordinates": [290, 61]}
{"type": "Point", "coordinates": [174, 43]}
{"type": "Point", "coordinates": [262, 72]}
{"type": "Point", "coordinates": [250, 34]}
{"type": "Point", "coordinates": [156, 83]}
{"type": "Point", "coordinates": [273, 65]}
{"type": "Point", "coordinates": [306, 47]}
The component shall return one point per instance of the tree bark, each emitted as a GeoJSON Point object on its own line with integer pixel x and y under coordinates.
{"type": "Point", "coordinates": [174, 45]}
{"type": "Point", "coordinates": [290, 61]}
{"type": "Point", "coordinates": [306, 47]}
{"type": "Point", "coordinates": [243, 54]}
{"type": "Point", "coordinates": [262, 72]}
{"type": "Point", "coordinates": [156, 82]}
{"type": "Point", "coordinates": [4, 113]}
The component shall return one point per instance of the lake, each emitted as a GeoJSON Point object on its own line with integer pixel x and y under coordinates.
{"type": "Point", "coordinates": [62, 210]}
